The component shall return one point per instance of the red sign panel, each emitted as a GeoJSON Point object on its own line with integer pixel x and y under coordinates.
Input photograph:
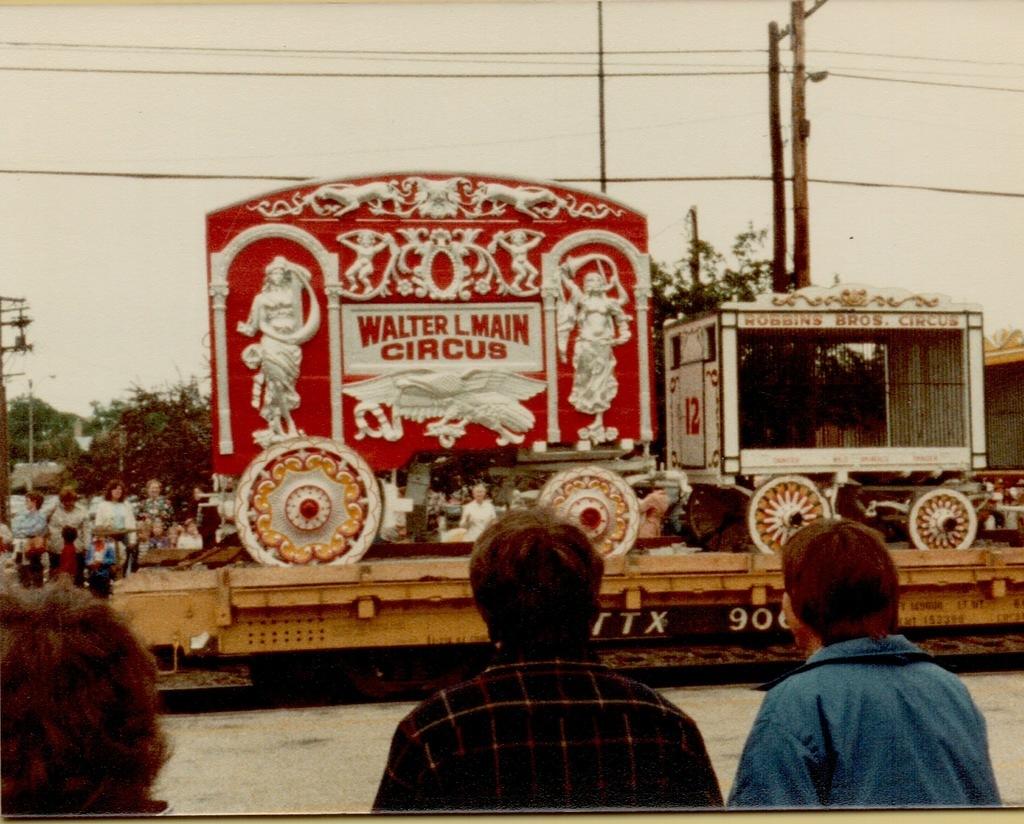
{"type": "Point", "coordinates": [422, 312]}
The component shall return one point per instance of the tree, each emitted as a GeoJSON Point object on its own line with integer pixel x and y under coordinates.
{"type": "Point", "coordinates": [748, 275]}
{"type": "Point", "coordinates": [163, 434]}
{"type": "Point", "coordinates": [53, 432]}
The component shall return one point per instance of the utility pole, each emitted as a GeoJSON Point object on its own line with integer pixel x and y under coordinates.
{"type": "Point", "coordinates": [600, 95]}
{"type": "Point", "coordinates": [9, 305]}
{"type": "Point", "coordinates": [694, 247]}
{"type": "Point", "coordinates": [780, 277]}
{"type": "Point", "coordinates": [801, 131]}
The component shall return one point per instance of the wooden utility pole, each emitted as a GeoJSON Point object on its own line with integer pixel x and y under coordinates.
{"type": "Point", "coordinates": [780, 277]}
{"type": "Point", "coordinates": [801, 131]}
{"type": "Point", "coordinates": [19, 323]}
{"type": "Point", "coordinates": [694, 247]}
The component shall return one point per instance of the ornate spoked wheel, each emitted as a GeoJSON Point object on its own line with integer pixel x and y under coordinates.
{"type": "Point", "coordinates": [307, 501]}
{"type": "Point", "coordinates": [781, 507]}
{"type": "Point", "coordinates": [942, 519]}
{"type": "Point", "coordinates": [599, 502]}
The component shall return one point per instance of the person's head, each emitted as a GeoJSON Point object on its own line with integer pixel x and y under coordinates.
{"type": "Point", "coordinates": [143, 530]}
{"type": "Point", "coordinates": [156, 527]}
{"type": "Point", "coordinates": [191, 527]}
{"type": "Point", "coordinates": [536, 579]}
{"type": "Point", "coordinates": [69, 534]}
{"type": "Point", "coordinates": [841, 582]}
{"type": "Point", "coordinates": [153, 488]}
{"type": "Point", "coordinates": [68, 498]}
{"type": "Point", "coordinates": [34, 501]}
{"type": "Point", "coordinates": [80, 730]}
{"type": "Point", "coordinates": [173, 531]}
{"type": "Point", "coordinates": [479, 492]}
{"type": "Point", "coordinates": [114, 490]}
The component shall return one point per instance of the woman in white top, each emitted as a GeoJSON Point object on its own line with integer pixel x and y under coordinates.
{"type": "Point", "coordinates": [116, 518]}
{"type": "Point", "coordinates": [477, 514]}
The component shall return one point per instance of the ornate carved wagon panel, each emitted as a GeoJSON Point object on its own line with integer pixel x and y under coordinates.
{"type": "Point", "coordinates": [404, 313]}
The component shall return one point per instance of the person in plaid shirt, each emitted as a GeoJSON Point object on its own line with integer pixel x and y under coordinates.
{"type": "Point", "coordinates": [544, 727]}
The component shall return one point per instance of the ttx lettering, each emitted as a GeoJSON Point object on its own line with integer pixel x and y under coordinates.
{"type": "Point", "coordinates": [628, 624]}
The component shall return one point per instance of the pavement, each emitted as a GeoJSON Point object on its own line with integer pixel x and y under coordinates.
{"type": "Point", "coordinates": [330, 759]}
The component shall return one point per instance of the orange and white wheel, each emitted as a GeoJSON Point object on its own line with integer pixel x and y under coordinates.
{"type": "Point", "coordinates": [307, 501]}
{"type": "Point", "coordinates": [942, 519]}
{"type": "Point", "coordinates": [599, 502]}
{"type": "Point", "coordinates": [781, 507]}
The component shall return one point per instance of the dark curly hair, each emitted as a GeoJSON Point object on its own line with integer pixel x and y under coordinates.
{"type": "Point", "coordinates": [536, 579]}
{"type": "Point", "coordinates": [80, 730]}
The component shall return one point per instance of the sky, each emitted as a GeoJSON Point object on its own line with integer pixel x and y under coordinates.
{"type": "Point", "coordinates": [113, 265]}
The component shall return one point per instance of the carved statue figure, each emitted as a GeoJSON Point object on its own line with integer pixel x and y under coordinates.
{"type": "Point", "coordinates": [367, 244]}
{"type": "Point", "coordinates": [534, 201]}
{"type": "Point", "coordinates": [434, 198]}
{"type": "Point", "coordinates": [342, 198]}
{"type": "Point", "coordinates": [518, 243]}
{"type": "Point", "coordinates": [276, 315]}
{"type": "Point", "coordinates": [597, 315]}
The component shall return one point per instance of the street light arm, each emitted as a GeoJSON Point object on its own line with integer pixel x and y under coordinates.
{"type": "Point", "coordinates": [814, 8]}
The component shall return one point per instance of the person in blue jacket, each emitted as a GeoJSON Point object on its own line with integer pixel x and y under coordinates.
{"type": "Point", "coordinates": [869, 720]}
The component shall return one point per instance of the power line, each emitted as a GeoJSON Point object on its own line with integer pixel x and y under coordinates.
{"type": "Point", "coordinates": [250, 50]}
{"type": "Point", "coordinates": [925, 82]}
{"type": "Point", "coordinates": [832, 68]}
{"type": "Point", "coordinates": [378, 75]}
{"type": "Point", "coordinates": [480, 75]}
{"type": "Point", "coordinates": [825, 181]}
{"type": "Point", "coordinates": [253, 50]}
{"type": "Point", "coordinates": [152, 175]}
{"type": "Point", "coordinates": [917, 57]}
{"type": "Point", "coordinates": [441, 57]}
{"type": "Point", "coordinates": [651, 179]}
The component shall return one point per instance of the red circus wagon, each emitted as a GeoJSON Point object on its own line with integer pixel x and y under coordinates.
{"type": "Point", "coordinates": [359, 324]}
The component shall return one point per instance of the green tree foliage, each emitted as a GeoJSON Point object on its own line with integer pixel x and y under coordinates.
{"type": "Point", "coordinates": [163, 434]}
{"type": "Point", "coordinates": [53, 432]}
{"type": "Point", "coordinates": [746, 275]}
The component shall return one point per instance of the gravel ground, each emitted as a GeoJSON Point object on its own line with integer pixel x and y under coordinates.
{"type": "Point", "coordinates": [329, 759]}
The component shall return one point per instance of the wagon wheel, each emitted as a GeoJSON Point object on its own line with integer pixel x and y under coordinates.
{"type": "Point", "coordinates": [780, 508]}
{"type": "Point", "coordinates": [599, 502]}
{"type": "Point", "coordinates": [942, 519]}
{"type": "Point", "coordinates": [307, 501]}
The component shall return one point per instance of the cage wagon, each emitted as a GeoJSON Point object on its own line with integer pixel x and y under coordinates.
{"type": "Point", "coordinates": [847, 400]}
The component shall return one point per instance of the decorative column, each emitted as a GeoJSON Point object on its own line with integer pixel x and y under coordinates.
{"type": "Point", "coordinates": [730, 395]}
{"type": "Point", "coordinates": [549, 294]}
{"type": "Point", "coordinates": [333, 289]}
{"type": "Point", "coordinates": [642, 269]}
{"type": "Point", "coordinates": [219, 294]}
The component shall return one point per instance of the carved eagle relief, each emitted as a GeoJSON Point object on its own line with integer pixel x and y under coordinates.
{"type": "Point", "coordinates": [490, 398]}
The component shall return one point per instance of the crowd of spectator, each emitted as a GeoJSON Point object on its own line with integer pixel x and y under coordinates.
{"type": "Point", "coordinates": [93, 549]}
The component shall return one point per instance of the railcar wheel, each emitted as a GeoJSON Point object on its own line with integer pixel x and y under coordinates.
{"type": "Point", "coordinates": [307, 501]}
{"type": "Point", "coordinates": [780, 508]}
{"type": "Point", "coordinates": [942, 518]}
{"type": "Point", "coordinates": [600, 503]}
